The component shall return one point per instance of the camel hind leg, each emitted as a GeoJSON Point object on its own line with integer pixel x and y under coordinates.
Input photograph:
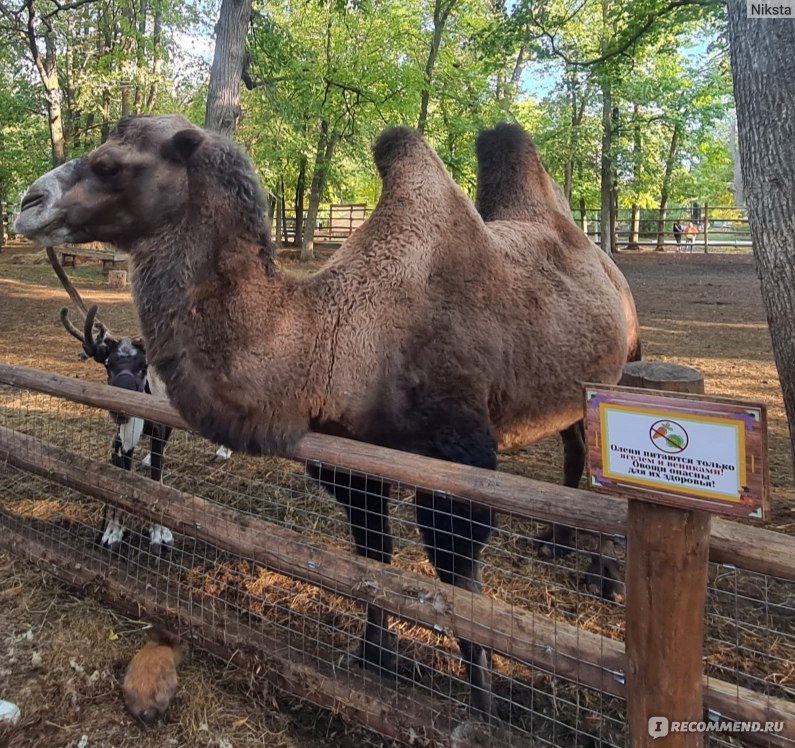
{"type": "Point", "coordinates": [558, 540]}
{"type": "Point", "coordinates": [603, 576]}
{"type": "Point", "coordinates": [365, 501]}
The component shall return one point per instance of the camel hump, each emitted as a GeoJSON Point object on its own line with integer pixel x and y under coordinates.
{"type": "Point", "coordinates": [501, 146]}
{"type": "Point", "coordinates": [401, 146]}
{"type": "Point", "coordinates": [512, 182]}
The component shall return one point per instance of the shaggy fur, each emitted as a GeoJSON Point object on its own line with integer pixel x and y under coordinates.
{"type": "Point", "coordinates": [151, 678]}
{"type": "Point", "coordinates": [430, 330]}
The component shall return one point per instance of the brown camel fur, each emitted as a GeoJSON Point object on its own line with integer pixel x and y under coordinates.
{"type": "Point", "coordinates": [430, 330]}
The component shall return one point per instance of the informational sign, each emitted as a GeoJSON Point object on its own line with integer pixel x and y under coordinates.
{"type": "Point", "coordinates": [693, 451]}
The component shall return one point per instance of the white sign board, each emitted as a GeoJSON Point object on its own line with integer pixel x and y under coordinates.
{"type": "Point", "coordinates": [699, 452]}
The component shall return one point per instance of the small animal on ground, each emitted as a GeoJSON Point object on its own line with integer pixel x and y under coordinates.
{"type": "Point", "coordinates": [151, 678]}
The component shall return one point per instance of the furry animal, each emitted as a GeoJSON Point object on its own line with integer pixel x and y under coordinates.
{"type": "Point", "coordinates": [151, 678]}
{"type": "Point", "coordinates": [430, 330]}
{"type": "Point", "coordinates": [126, 366]}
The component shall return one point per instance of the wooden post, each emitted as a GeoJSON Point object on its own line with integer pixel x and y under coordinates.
{"type": "Point", "coordinates": [666, 586]}
{"type": "Point", "coordinates": [117, 278]}
{"type": "Point", "coordinates": [706, 228]}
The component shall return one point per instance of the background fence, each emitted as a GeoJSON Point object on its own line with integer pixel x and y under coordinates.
{"type": "Point", "coordinates": [261, 574]}
{"type": "Point", "coordinates": [720, 228]}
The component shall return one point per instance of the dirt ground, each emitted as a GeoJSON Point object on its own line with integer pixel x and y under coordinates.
{"type": "Point", "coordinates": [62, 655]}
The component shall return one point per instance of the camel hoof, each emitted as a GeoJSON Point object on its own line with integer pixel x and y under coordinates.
{"type": "Point", "coordinates": [603, 579]}
{"type": "Point", "coordinates": [473, 733]}
{"type": "Point", "coordinates": [222, 454]}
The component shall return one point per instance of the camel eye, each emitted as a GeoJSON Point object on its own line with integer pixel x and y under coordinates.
{"type": "Point", "coordinates": [106, 168]}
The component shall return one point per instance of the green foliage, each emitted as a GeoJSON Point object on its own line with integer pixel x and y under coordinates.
{"type": "Point", "coordinates": [326, 76]}
{"type": "Point", "coordinates": [24, 143]}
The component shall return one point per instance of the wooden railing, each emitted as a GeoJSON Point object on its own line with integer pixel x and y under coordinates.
{"type": "Point", "coordinates": [556, 647]}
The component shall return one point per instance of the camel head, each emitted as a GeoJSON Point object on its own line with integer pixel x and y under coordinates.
{"type": "Point", "coordinates": [125, 190]}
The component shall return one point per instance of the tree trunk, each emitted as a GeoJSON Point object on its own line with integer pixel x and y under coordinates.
{"type": "Point", "coordinates": [441, 12]}
{"type": "Point", "coordinates": [48, 74]}
{"type": "Point", "coordinates": [279, 228]}
{"type": "Point", "coordinates": [606, 207]}
{"type": "Point", "coordinates": [223, 97]}
{"type": "Point", "coordinates": [157, 61]}
{"type": "Point", "coordinates": [140, 58]}
{"type": "Point", "coordinates": [326, 144]}
{"type": "Point", "coordinates": [615, 133]}
{"type": "Point", "coordinates": [764, 90]}
{"type": "Point", "coordinates": [666, 185]}
{"type": "Point", "coordinates": [634, 227]}
{"type": "Point", "coordinates": [583, 215]}
{"type": "Point", "coordinates": [637, 163]}
{"type": "Point", "coordinates": [300, 190]}
{"type": "Point", "coordinates": [577, 100]}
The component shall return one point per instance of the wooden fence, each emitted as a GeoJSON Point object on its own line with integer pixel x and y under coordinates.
{"type": "Point", "coordinates": [5, 224]}
{"type": "Point", "coordinates": [334, 224]}
{"type": "Point", "coordinates": [556, 647]}
{"type": "Point", "coordinates": [719, 227]}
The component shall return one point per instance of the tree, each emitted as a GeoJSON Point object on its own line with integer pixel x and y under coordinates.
{"type": "Point", "coordinates": [762, 51]}
{"type": "Point", "coordinates": [441, 12]}
{"type": "Point", "coordinates": [229, 62]}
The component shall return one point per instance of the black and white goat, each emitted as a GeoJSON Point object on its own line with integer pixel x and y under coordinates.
{"type": "Point", "coordinates": [125, 363]}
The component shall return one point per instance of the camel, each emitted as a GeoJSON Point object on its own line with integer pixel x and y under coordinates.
{"type": "Point", "coordinates": [431, 330]}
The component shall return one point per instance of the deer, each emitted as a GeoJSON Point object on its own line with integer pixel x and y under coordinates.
{"type": "Point", "coordinates": [126, 366]}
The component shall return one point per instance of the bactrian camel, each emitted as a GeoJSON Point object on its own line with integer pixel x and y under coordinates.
{"type": "Point", "coordinates": [435, 329]}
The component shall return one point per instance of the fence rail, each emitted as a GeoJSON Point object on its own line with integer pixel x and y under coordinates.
{"type": "Point", "coordinates": [718, 226]}
{"type": "Point", "coordinates": [751, 548]}
{"type": "Point", "coordinates": [554, 647]}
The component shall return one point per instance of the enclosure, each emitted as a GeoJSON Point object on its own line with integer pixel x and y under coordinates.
{"type": "Point", "coordinates": [261, 574]}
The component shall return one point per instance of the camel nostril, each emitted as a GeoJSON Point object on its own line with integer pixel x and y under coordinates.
{"type": "Point", "coordinates": [31, 200]}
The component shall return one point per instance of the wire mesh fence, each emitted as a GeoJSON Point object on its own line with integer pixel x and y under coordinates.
{"type": "Point", "coordinates": [261, 566]}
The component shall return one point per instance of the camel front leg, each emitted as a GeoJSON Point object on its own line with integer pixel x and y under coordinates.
{"type": "Point", "coordinates": [455, 533]}
{"type": "Point", "coordinates": [366, 502]}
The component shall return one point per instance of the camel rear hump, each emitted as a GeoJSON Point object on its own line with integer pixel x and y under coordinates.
{"type": "Point", "coordinates": [512, 183]}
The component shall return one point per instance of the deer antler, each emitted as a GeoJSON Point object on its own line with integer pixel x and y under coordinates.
{"type": "Point", "coordinates": [89, 341]}
{"type": "Point", "coordinates": [70, 328]}
{"type": "Point", "coordinates": [75, 296]}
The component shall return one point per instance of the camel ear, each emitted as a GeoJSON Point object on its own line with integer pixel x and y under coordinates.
{"type": "Point", "coordinates": [183, 145]}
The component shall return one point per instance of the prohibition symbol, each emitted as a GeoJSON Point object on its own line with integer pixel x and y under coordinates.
{"type": "Point", "coordinates": [669, 437]}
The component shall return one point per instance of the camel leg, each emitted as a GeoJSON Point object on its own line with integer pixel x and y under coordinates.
{"type": "Point", "coordinates": [558, 540]}
{"type": "Point", "coordinates": [454, 533]}
{"type": "Point", "coordinates": [604, 577]}
{"type": "Point", "coordinates": [365, 501]}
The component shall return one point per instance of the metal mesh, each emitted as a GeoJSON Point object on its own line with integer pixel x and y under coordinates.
{"type": "Point", "coordinates": [305, 637]}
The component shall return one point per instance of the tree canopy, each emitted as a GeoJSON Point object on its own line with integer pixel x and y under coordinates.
{"type": "Point", "coordinates": [629, 104]}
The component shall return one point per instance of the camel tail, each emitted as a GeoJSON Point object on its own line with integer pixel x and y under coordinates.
{"type": "Point", "coordinates": [634, 352]}
{"type": "Point", "coordinates": [512, 182]}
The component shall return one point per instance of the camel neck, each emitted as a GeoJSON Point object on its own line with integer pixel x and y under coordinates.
{"type": "Point", "coordinates": [232, 341]}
